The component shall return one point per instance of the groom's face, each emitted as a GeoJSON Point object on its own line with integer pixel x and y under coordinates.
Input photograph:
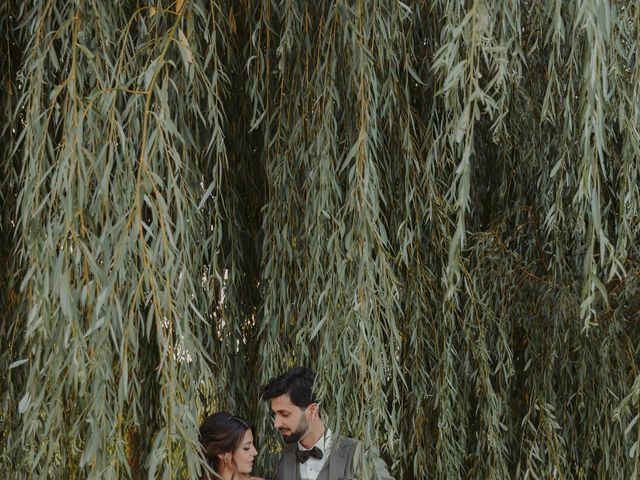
{"type": "Point", "coordinates": [289, 419]}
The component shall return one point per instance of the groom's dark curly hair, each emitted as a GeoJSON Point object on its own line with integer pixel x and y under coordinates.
{"type": "Point", "coordinates": [297, 382]}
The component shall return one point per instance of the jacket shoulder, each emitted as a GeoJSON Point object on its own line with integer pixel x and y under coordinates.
{"type": "Point", "coordinates": [287, 452]}
{"type": "Point", "coordinates": [350, 446]}
{"type": "Point", "coordinates": [289, 449]}
{"type": "Point", "coordinates": [346, 442]}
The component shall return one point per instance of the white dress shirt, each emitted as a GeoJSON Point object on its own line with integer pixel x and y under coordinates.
{"type": "Point", "coordinates": [310, 469]}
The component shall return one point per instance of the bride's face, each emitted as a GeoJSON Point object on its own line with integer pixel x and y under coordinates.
{"type": "Point", "coordinates": [245, 453]}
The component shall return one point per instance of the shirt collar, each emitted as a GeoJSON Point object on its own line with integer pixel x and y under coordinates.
{"type": "Point", "coordinates": [324, 443]}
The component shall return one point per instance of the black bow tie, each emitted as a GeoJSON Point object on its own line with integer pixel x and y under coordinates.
{"type": "Point", "coordinates": [303, 455]}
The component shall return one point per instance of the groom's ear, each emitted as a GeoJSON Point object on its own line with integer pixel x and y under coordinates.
{"type": "Point", "coordinates": [314, 409]}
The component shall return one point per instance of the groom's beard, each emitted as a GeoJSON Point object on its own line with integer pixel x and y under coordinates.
{"type": "Point", "coordinates": [299, 432]}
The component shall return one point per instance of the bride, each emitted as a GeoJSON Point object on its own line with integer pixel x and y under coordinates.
{"type": "Point", "coordinates": [227, 441]}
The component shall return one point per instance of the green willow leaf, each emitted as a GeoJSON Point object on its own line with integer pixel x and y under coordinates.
{"type": "Point", "coordinates": [434, 204]}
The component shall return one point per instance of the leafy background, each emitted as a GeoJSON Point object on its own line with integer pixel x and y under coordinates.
{"type": "Point", "coordinates": [434, 203]}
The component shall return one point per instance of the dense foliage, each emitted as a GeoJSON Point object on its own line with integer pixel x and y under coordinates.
{"type": "Point", "coordinates": [434, 203]}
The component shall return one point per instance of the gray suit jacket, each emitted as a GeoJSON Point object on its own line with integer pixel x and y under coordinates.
{"type": "Point", "coordinates": [339, 465]}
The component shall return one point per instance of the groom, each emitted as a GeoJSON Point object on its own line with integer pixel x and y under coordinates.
{"type": "Point", "coordinates": [311, 453]}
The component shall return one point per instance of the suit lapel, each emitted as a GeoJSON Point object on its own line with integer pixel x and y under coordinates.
{"type": "Point", "coordinates": [337, 460]}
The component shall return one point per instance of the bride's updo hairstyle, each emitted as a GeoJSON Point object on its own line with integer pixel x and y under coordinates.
{"type": "Point", "coordinates": [221, 433]}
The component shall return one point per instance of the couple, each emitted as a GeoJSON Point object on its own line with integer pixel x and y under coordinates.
{"type": "Point", "coordinates": [312, 453]}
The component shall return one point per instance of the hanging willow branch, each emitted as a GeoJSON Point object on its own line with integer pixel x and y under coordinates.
{"type": "Point", "coordinates": [434, 204]}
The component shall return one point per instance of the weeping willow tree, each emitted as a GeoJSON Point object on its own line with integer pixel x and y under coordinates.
{"type": "Point", "coordinates": [435, 204]}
